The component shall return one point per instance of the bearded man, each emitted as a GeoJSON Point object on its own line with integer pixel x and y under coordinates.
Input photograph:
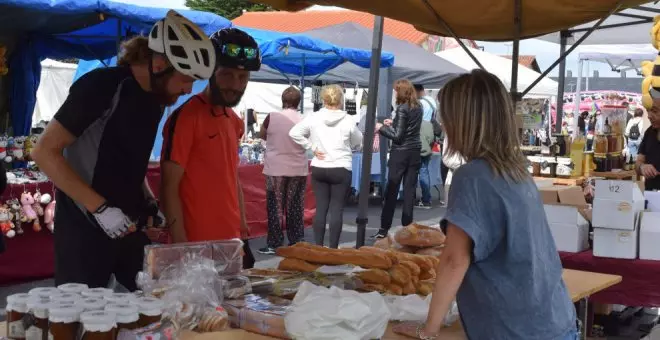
{"type": "Point", "coordinates": [202, 196]}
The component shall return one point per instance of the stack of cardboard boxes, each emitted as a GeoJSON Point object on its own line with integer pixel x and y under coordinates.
{"type": "Point", "coordinates": [568, 216]}
{"type": "Point", "coordinates": [617, 213]}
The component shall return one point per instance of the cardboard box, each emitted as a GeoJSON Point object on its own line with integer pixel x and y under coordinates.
{"type": "Point", "coordinates": [569, 227]}
{"type": "Point", "coordinates": [649, 236]}
{"type": "Point", "coordinates": [562, 194]}
{"type": "Point", "coordinates": [653, 200]}
{"type": "Point", "coordinates": [616, 243]}
{"type": "Point", "coordinates": [617, 204]}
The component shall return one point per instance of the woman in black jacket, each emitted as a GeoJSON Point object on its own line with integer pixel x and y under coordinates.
{"type": "Point", "coordinates": [405, 156]}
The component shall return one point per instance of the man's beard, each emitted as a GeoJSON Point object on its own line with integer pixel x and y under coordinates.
{"type": "Point", "coordinates": [217, 98]}
{"type": "Point", "coordinates": [159, 89]}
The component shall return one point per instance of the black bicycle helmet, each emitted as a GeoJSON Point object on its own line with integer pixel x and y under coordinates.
{"type": "Point", "coordinates": [236, 49]}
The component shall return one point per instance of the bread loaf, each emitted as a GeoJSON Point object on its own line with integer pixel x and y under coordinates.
{"type": "Point", "coordinates": [373, 287]}
{"type": "Point", "coordinates": [374, 276]}
{"type": "Point", "coordinates": [424, 288]}
{"type": "Point", "coordinates": [427, 275]}
{"type": "Point", "coordinates": [433, 251]}
{"type": "Point", "coordinates": [296, 265]}
{"type": "Point", "coordinates": [421, 261]}
{"type": "Point", "coordinates": [400, 274]}
{"type": "Point", "coordinates": [393, 289]}
{"type": "Point", "coordinates": [412, 266]}
{"type": "Point", "coordinates": [336, 256]}
{"type": "Point", "coordinates": [389, 253]}
{"type": "Point", "coordinates": [384, 243]}
{"type": "Point", "coordinates": [409, 288]}
{"type": "Point", "coordinates": [419, 236]}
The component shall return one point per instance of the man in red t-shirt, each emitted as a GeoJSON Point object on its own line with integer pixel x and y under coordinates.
{"type": "Point", "coordinates": [202, 196]}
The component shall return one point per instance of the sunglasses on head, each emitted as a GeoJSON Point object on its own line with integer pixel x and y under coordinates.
{"type": "Point", "coordinates": [236, 51]}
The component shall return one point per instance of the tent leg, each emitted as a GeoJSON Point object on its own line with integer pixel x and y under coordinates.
{"type": "Point", "coordinates": [365, 181]}
{"type": "Point", "coordinates": [563, 40]}
{"type": "Point", "coordinates": [578, 99]}
{"type": "Point", "coordinates": [452, 33]}
{"type": "Point", "coordinates": [517, 21]}
{"type": "Point", "coordinates": [564, 54]}
{"type": "Point", "coordinates": [586, 87]}
{"type": "Point", "coordinates": [302, 86]}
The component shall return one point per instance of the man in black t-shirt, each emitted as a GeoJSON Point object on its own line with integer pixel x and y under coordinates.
{"type": "Point", "coordinates": [648, 159]}
{"type": "Point", "coordinates": [97, 148]}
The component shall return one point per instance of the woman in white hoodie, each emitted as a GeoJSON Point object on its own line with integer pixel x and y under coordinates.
{"type": "Point", "coordinates": [332, 135]}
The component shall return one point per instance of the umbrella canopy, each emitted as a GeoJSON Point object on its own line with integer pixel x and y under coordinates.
{"type": "Point", "coordinates": [477, 19]}
{"type": "Point", "coordinates": [501, 67]}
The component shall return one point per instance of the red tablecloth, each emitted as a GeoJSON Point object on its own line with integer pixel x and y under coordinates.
{"type": "Point", "coordinates": [639, 287]}
{"type": "Point", "coordinates": [29, 256]}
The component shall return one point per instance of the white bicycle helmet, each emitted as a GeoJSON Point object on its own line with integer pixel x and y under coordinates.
{"type": "Point", "coordinates": [185, 45]}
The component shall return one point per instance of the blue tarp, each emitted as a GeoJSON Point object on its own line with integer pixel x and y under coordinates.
{"type": "Point", "coordinates": [84, 29]}
{"type": "Point", "coordinates": [301, 55]}
{"type": "Point", "coordinates": [280, 51]}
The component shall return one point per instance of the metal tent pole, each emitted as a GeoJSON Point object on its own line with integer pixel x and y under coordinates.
{"type": "Point", "coordinates": [578, 98]}
{"type": "Point", "coordinates": [365, 181]}
{"type": "Point", "coordinates": [302, 85]}
{"type": "Point", "coordinates": [517, 17]}
{"type": "Point", "coordinates": [563, 39]}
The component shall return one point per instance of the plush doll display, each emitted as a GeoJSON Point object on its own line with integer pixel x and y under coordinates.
{"type": "Point", "coordinates": [30, 143]}
{"type": "Point", "coordinates": [27, 212]}
{"type": "Point", "coordinates": [14, 207]}
{"type": "Point", "coordinates": [651, 70]}
{"type": "Point", "coordinates": [6, 224]}
{"type": "Point", "coordinates": [16, 149]}
{"type": "Point", "coordinates": [49, 212]}
{"type": "Point", "coordinates": [3, 147]}
{"type": "Point", "coordinates": [37, 203]}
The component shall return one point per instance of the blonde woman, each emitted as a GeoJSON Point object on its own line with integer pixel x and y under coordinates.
{"type": "Point", "coordinates": [332, 135]}
{"type": "Point", "coordinates": [500, 262]}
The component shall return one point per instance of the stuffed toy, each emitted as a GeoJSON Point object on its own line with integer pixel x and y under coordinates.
{"type": "Point", "coordinates": [6, 224]}
{"type": "Point", "coordinates": [17, 151]}
{"type": "Point", "coordinates": [49, 212]}
{"type": "Point", "coordinates": [37, 204]}
{"type": "Point", "coordinates": [30, 143]}
{"type": "Point", "coordinates": [27, 212]}
{"type": "Point", "coordinates": [651, 70]}
{"type": "Point", "coordinates": [3, 147]}
{"type": "Point", "coordinates": [3, 61]}
{"type": "Point", "coordinates": [15, 209]}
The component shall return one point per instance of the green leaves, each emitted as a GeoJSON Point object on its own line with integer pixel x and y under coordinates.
{"type": "Point", "coordinates": [229, 9]}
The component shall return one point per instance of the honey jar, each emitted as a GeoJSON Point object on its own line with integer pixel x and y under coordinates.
{"type": "Point", "coordinates": [16, 312]}
{"type": "Point", "coordinates": [150, 309]}
{"type": "Point", "coordinates": [76, 288]}
{"type": "Point", "coordinates": [98, 325]}
{"type": "Point", "coordinates": [127, 315]}
{"type": "Point", "coordinates": [97, 292]}
{"type": "Point", "coordinates": [36, 325]}
{"type": "Point", "coordinates": [63, 321]}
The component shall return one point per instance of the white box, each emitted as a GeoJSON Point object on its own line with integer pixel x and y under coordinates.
{"type": "Point", "coordinates": [653, 198]}
{"type": "Point", "coordinates": [569, 228]}
{"type": "Point", "coordinates": [649, 236]}
{"type": "Point", "coordinates": [572, 238]}
{"type": "Point", "coordinates": [616, 243]}
{"type": "Point", "coordinates": [617, 204]}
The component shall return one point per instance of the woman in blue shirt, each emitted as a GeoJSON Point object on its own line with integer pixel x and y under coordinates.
{"type": "Point", "coordinates": [500, 262]}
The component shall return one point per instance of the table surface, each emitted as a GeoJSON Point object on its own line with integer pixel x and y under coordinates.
{"type": "Point", "coordinates": [580, 285]}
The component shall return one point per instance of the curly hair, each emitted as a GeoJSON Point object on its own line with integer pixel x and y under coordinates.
{"type": "Point", "coordinates": [406, 93]}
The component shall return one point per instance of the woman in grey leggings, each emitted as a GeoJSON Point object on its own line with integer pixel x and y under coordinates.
{"type": "Point", "coordinates": [332, 135]}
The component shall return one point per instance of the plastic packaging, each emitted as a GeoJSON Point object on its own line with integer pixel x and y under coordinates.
{"type": "Point", "coordinates": [257, 314]}
{"type": "Point", "coordinates": [233, 287]}
{"type": "Point", "coordinates": [165, 329]}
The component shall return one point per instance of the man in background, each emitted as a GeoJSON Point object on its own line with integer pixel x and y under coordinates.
{"type": "Point", "coordinates": [648, 158]}
{"type": "Point", "coordinates": [430, 133]}
{"type": "Point", "coordinates": [202, 196]}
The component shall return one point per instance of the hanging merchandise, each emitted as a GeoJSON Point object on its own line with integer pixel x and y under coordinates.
{"type": "Point", "coordinates": [316, 92]}
{"type": "Point", "coordinates": [17, 148]}
{"type": "Point", "coordinates": [350, 98]}
{"type": "Point", "coordinates": [27, 211]}
{"type": "Point", "coordinates": [14, 207]}
{"type": "Point", "coordinates": [6, 225]}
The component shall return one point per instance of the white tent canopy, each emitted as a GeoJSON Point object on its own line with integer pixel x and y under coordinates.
{"type": "Point", "coordinates": [619, 57]}
{"type": "Point", "coordinates": [612, 31]}
{"type": "Point", "coordinates": [56, 78]}
{"type": "Point", "coordinates": [501, 67]}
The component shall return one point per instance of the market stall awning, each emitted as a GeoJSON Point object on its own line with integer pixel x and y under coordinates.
{"type": "Point", "coordinates": [302, 55]}
{"type": "Point", "coordinates": [477, 19]}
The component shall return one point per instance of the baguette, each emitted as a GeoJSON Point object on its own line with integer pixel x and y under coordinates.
{"type": "Point", "coordinates": [412, 266]}
{"type": "Point", "coordinates": [409, 288]}
{"type": "Point", "coordinates": [297, 265]}
{"type": "Point", "coordinates": [427, 275]}
{"type": "Point", "coordinates": [394, 289]}
{"type": "Point", "coordinates": [374, 276]}
{"type": "Point", "coordinates": [433, 251]}
{"type": "Point", "coordinates": [400, 274]}
{"type": "Point", "coordinates": [372, 287]}
{"type": "Point", "coordinates": [336, 256]}
{"type": "Point", "coordinates": [424, 288]}
{"type": "Point", "coordinates": [421, 261]}
{"type": "Point", "coordinates": [389, 253]}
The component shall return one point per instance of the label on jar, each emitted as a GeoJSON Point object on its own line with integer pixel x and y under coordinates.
{"type": "Point", "coordinates": [33, 333]}
{"type": "Point", "coordinates": [16, 329]}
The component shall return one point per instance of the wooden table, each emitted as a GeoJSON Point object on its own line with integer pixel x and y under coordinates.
{"type": "Point", "coordinates": [580, 286]}
{"type": "Point", "coordinates": [620, 175]}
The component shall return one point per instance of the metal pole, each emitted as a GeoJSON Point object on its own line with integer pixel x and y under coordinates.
{"type": "Point", "coordinates": [517, 23]}
{"type": "Point", "coordinates": [578, 98]}
{"type": "Point", "coordinates": [365, 181]}
{"type": "Point", "coordinates": [563, 40]}
{"type": "Point", "coordinates": [302, 86]}
{"type": "Point", "coordinates": [586, 88]}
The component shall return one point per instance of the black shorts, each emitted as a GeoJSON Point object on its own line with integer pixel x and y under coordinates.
{"type": "Point", "coordinates": [85, 254]}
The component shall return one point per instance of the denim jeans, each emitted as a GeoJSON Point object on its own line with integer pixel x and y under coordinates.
{"type": "Point", "coordinates": [425, 179]}
{"type": "Point", "coordinates": [633, 148]}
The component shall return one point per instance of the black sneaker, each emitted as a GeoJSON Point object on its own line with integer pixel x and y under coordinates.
{"type": "Point", "coordinates": [382, 233]}
{"type": "Point", "coordinates": [423, 205]}
{"type": "Point", "coordinates": [267, 251]}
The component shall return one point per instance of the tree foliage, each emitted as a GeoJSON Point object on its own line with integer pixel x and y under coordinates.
{"type": "Point", "coordinates": [229, 9]}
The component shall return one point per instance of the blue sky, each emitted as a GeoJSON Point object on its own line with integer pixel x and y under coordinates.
{"type": "Point", "coordinates": [546, 53]}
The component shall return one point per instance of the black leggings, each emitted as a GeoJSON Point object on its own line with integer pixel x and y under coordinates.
{"type": "Point", "coordinates": [330, 186]}
{"type": "Point", "coordinates": [403, 165]}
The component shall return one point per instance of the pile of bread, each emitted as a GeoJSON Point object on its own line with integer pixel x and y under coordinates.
{"type": "Point", "coordinates": [387, 271]}
{"type": "Point", "coordinates": [415, 239]}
